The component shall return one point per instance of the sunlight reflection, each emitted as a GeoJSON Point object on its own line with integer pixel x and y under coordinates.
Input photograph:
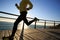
{"type": "Point", "coordinates": [21, 25]}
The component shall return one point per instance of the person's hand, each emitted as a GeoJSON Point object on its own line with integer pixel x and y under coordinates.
{"type": "Point", "coordinates": [16, 4]}
{"type": "Point", "coordinates": [28, 9]}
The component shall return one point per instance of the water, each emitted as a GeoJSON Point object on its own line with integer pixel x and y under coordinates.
{"type": "Point", "coordinates": [6, 25]}
{"type": "Point", "coordinates": [9, 26]}
{"type": "Point", "coordinates": [37, 26]}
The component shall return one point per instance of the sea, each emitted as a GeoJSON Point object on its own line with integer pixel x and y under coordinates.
{"type": "Point", "coordinates": [9, 26]}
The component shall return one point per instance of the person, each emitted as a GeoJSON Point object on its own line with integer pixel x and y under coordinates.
{"type": "Point", "coordinates": [22, 7]}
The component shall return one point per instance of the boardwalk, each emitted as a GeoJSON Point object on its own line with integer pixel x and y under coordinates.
{"type": "Point", "coordinates": [32, 34]}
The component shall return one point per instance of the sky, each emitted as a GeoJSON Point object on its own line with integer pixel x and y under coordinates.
{"type": "Point", "coordinates": [42, 9]}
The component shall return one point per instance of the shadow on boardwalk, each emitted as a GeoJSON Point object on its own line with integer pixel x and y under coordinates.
{"type": "Point", "coordinates": [31, 34]}
{"type": "Point", "coordinates": [22, 33]}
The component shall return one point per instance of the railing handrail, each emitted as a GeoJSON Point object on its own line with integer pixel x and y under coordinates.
{"type": "Point", "coordinates": [7, 17]}
{"type": "Point", "coordinates": [27, 17]}
{"type": "Point", "coordinates": [8, 13]}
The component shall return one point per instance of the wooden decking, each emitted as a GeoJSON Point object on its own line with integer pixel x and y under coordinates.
{"type": "Point", "coordinates": [31, 34]}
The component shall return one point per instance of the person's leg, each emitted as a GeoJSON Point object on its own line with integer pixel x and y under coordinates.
{"type": "Point", "coordinates": [25, 20]}
{"type": "Point", "coordinates": [15, 26]}
{"type": "Point", "coordinates": [28, 23]}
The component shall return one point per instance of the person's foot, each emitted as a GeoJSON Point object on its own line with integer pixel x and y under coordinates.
{"type": "Point", "coordinates": [36, 19]}
{"type": "Point", "coordinates": [5, 38]}
{"type": "Point", "coordinates": [11, 38]}
{"type": "Point", "coordinates": [8, 38]}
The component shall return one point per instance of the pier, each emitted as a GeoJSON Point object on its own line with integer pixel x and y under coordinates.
{"type": "Point", "coordinates": [45, 33]}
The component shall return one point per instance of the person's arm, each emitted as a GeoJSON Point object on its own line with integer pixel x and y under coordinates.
{"type": "Point", "coordinates": [17, 6]}
{"type": "Point", "coordinates": [30, 5]}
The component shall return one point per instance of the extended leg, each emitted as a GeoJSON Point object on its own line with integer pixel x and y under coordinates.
{"type": "Point", "coordinates": [28, 23]}
{"type": "Point", "coordinates": [15, 26]}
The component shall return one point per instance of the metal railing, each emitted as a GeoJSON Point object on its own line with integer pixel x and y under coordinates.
{"type": "Point", "coordinates": [45, 21]}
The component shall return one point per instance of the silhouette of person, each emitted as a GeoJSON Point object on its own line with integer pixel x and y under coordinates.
{"type": "Point", "coordinates": [22, 7]}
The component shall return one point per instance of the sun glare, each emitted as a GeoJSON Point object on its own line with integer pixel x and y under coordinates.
{"type": "Point", "coordinates": [21, 25]}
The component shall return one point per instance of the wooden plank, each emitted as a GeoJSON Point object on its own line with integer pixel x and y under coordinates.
{"type": "Point", "coordinates": [17, 36]}
{"type": "Point", "coordinates": [40, 34]}
{"type": "Point", "coordinates": [29, 34]}
{"type": "Point", "coordinates": [46, 31]}
{"type": "Point", "coordinates": [10, 32]}
{"type": "Point", "coordinates": [1, 34]}
{"type": "Point", "coordinates": [6, 34]}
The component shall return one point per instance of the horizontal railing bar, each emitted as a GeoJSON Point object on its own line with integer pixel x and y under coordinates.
{"type": "Point", "coordinates": [8, 13]}
{"type": "Point", "coordinates": [27, 17]}
{"type": "Point", "coordinates": [37, 22]}
{"type": "Point", "coordinates": [46, 22]}
{"type": "Point", "coordinates": [49, 22]}
{"type": "Point", "coordinates": [7, 18]}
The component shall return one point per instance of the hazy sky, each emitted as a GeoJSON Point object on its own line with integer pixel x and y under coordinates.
{"type": "Point", "coordinates": [42, 9]}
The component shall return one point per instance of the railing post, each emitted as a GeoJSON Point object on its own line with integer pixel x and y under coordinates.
{"type": "Point", "coordinates": [23, 24]}
{"type": "Point", "coordinates": [54, 23]}
{"type": "Point", "coordinates": [45, 24]}
{"type": "Point", "coordinates": [22, 32]}
{"type": "Point", "coordinates": [35, 25]}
